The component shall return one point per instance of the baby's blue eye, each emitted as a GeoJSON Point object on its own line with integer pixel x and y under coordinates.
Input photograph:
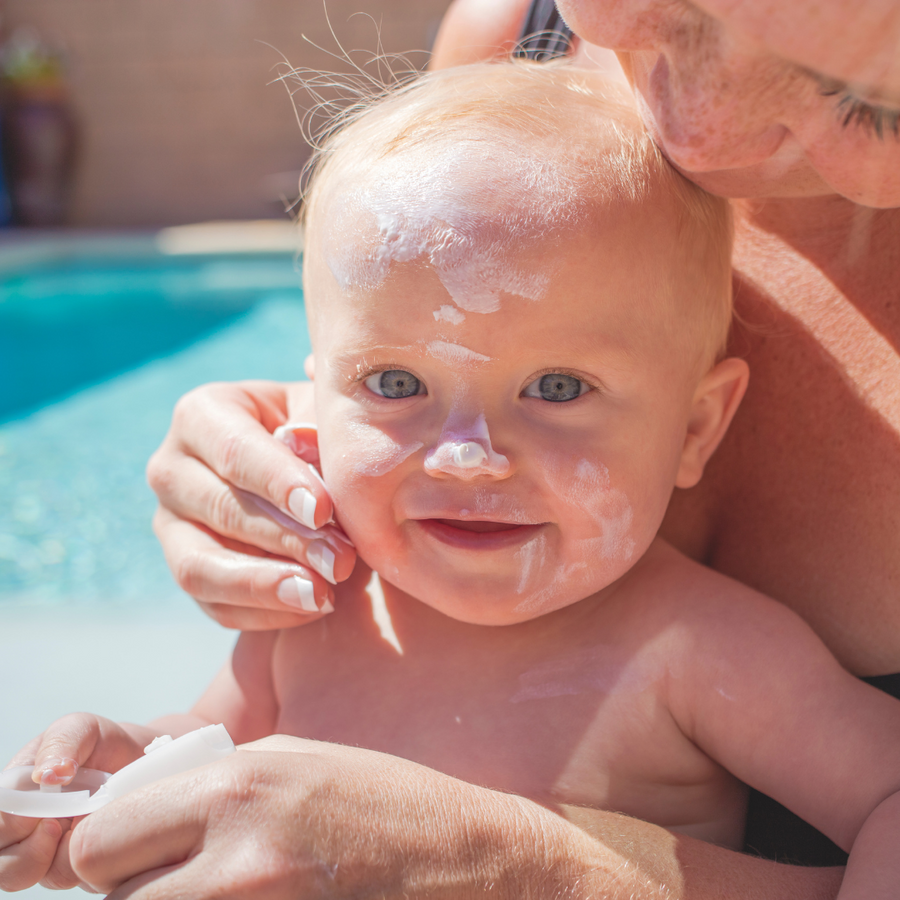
{"type": "Point", "coordinates": [556, 388]}
{"type": "Point", "coordinates": [395, 384]}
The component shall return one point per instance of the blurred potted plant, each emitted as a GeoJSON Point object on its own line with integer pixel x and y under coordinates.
{"type": "Point", "coordinates": [39, 130]}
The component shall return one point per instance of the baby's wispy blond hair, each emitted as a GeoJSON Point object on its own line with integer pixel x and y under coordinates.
{"type": "Point", "coordinates": [589, 134]}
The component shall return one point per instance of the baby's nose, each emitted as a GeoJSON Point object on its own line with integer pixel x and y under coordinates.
{"type": "Point", "coordinates": [466, 460]}
{"type": "Point", "coordinates": [467, 455]}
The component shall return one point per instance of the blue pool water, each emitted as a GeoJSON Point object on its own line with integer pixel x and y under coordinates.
{"type": "Point", "coordinates": [94, 352]}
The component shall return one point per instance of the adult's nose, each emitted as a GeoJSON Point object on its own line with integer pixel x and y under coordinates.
{"type": "Point", "coordinates": [714, 111]}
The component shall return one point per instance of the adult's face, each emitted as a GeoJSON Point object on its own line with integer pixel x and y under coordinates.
{"type": "Point", "coordinates": [756, 98]}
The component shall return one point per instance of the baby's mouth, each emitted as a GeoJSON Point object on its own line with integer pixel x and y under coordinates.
{"type": "Point", "coordinates": [473, 534]}
{"type": "Point", "coordinates": [480, 527]}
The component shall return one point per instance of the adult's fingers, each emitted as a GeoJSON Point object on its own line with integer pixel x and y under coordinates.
{"type": "Point", "coordinates": [232, 829]}
{"type": "Point", "coordinates": [156, 827]}
{"type": "Point", "coordinates": [153, 885]}
{"type": "Point", "coordinates": [234, 584]}
{"type": "Point", "coordinates": [25, 757]}
{"type": "Point", "coordinates": [239, 515]}
{"type": "Point", "coordinates": [228, 428]}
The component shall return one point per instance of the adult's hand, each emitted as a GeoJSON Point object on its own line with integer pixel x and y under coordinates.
{"type": "Point", "coordinates": [290, 818]}
{"type": "Point", "coordinates": [219, 474]}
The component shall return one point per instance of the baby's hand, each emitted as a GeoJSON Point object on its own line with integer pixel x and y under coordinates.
{"type": "Point", "coordinates": [37, 850]}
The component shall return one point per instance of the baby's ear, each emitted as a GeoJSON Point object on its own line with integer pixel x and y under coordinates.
{"type": "Point", "coordinates": [309, 366]}
{"type": "Point", "coordinates": [715, 402]}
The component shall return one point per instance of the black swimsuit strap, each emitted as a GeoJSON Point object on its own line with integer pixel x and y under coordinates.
{"type": "Point", "coordinates": [890, 684]}
{"type": "Point", "coordinates": [544, 35]}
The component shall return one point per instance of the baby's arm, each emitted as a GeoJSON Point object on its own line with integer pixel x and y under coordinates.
{"type": "Point", "coordinates": [241, 697]}
{"type": "Point", "coordinates": [765, 698]}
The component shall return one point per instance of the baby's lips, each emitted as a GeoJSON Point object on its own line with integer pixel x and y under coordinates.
{"type": "Point", "coordinates": [55, 771]}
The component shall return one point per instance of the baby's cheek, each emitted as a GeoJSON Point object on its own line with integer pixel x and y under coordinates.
{"type": "Point", "coordinates": [358, 464]}
{"type": "Point", "coordinates": [603, 533]}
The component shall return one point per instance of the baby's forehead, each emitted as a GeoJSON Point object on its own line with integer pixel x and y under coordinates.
{"type": "Point", "coordinates": [444, 203]}
{"type": "Point", "coordinates": [475, 208]}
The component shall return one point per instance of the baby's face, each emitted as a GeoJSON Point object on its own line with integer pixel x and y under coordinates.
{"type": "Point", "coordinates": [499, 465]}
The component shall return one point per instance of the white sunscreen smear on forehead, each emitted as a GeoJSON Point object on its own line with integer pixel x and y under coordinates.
{"type": "Point", "coordinates": [453, 354]}
{"type": "Point", "coordinates": [469, 209]}
{"type": "Point", "coordinates": [448, 313]}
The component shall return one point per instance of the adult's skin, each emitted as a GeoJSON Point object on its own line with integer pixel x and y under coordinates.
{"type": "Point", "coordinates": [801, 501]}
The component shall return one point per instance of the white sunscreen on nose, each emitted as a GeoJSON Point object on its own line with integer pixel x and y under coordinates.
{"type": "Point", "coordinates": [465, 451]}
{"type": "Point", "coordinates": [468, 455]}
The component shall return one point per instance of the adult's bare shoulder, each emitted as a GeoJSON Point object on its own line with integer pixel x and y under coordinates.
{"type": "Point", "coordinates": [802, 499]}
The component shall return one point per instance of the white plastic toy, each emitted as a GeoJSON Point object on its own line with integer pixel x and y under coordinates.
{"type": "Point", "coordinates": [90, 788]}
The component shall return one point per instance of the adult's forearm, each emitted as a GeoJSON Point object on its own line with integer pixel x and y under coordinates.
{"type": "Point", "coordinates": [653, 862]}
{"type": "Point", "coordinates": [430, 835]}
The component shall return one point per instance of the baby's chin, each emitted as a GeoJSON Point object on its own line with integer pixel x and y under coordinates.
{"type": "Point", "coordinates": [494, 601]}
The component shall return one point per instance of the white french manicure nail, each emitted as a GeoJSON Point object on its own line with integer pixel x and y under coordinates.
{"type": "Point", "coordinates": [321, 557]}
{"type": "Point", "coordinates": [327, 607]}
{"type": "Point", "coordinates": [302, 505]}
{"type": "Point", "coordinates": [297, 592]}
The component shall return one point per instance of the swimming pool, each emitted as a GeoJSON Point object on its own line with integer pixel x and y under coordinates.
{"type": "Point", "coordinates": [98, 339]}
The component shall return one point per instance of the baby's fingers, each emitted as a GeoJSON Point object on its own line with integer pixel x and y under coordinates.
{"type": "Point", "coordinates": [28, 851]}
{"type": "Point", "coordinates": [60, 876]}
{"type": "Point", "coordinates": [77, 739]}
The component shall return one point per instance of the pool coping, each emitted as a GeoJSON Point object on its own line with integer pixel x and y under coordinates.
{"type": "Point", "coordinates": [24, 248]}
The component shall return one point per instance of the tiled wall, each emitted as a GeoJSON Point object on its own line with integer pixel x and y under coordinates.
{"type": "Point", "coordinates": [177, 121]}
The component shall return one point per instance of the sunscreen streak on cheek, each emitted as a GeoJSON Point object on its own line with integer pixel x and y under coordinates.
{"type": "Point", "coordinates": [530, 557]}
{"type": "Point", "coordinates": [586, 487]}
{"type": "Point", "coordinates": [371, 453]}
{"type": "Point", "coordinates": [543, 590]}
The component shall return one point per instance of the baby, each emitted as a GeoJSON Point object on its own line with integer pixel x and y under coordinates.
{"type": "Point", "coordinates": [517, 355]}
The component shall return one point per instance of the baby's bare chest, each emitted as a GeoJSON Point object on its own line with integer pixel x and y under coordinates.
{"type": "Point", "coordinates": [574, 724]}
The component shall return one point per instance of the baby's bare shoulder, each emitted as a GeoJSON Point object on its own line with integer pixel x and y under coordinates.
{"type": "Point", "coordinates": [670, 585]}
{"type": "Point", "coordinates": [695, 617]}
